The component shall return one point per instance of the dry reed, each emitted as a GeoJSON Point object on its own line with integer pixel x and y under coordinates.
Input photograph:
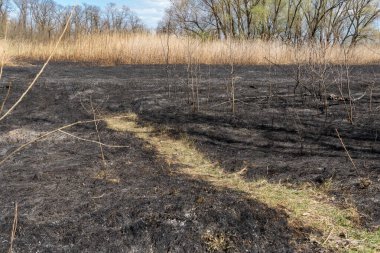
{"type": "Point", "coordinates": [14, 229]}
{"type": "Point", "coordinates": [47, 60]}
{"type": "Point", "coordinates": [111, 49]}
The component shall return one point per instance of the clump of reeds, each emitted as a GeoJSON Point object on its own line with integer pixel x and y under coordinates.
{"type": "Point", "coordinates": [146, 48]}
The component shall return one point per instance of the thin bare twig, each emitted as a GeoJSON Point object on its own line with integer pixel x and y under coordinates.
{"type": "Point", "coordinates": [92, 141]}
{"type": "Point", "coordinates": [99, 197]}
{"type": "Point", "coordinates": [166, 51]}
{"type": "Point", "coordinates": [97, 132]}
{"type": "Point", "coordinates": [348, 154]}
{"type": "Point", "coordinates": [328, 236]}
{"type": "Point", "coordinates": [232, 77]}
{"type": "Point", "coordinates": [296, 79]}
{"type": "Point", "coordinates": [14, 229]}
{"type": "Point", "coordinates": [41, 71]}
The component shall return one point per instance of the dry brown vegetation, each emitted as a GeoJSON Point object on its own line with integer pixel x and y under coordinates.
{"type": "Point", "coordinates": [110, 49]}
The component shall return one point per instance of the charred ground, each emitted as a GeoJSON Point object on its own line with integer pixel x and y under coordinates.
{"type": "Point", "coordinates": [276, 133]}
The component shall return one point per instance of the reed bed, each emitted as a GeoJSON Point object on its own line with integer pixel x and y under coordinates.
{"type": "Point", "coordinates": [112, 49]}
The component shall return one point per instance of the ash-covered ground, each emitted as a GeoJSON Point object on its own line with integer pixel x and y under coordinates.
{"type": "Point", "coordinates": [280, 131]}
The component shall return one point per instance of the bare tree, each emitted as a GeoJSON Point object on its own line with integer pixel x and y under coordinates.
{"type": "Point", "coordinates": [43, 15]}
{"type": "Point", "coordinates": [119, 19]}
{"type": "Point", "coordinates": [92, 18]}
{"type": "Point", "coordinates": [45, 19]}
{"type": "Point", "coordinates": [318, 21]}
{"type": "Point", "coordinates": [23, 7]}
{"type": "Point", "coordinates": [4, 16]}
{"type": "Point", "coordinates": [361, 15]}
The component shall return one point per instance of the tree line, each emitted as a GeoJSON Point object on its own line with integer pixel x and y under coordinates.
{"type": "Point", "coordinates": [295, 21]}
{"type": "Point", "coordinates": [45, 19]}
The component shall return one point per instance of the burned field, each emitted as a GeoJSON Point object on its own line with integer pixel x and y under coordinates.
{"type": "Point", "coordinates": [285, 130]}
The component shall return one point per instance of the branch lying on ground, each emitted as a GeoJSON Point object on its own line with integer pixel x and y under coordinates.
{"type": "Point", "coordinates": [14, 229]}
{"type": "Point", "coordinates": [92, 141]}
{"type": "Point", "coordinates": [60, 129]}
{"type": "Point", "coordinates": [360, 97]}
{"type": "Point", "coordinates": [348, 154]}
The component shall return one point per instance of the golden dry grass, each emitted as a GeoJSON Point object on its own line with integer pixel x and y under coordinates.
{"type": "Point", "coordinates": [4, 53]}
{"type": "Point", "coordinates": [337, 228]}
{"type": "Point", "coordinates": [110, 49]}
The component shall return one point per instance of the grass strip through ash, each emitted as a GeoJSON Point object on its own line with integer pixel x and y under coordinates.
{"type": "Point", "coordinates": [333, 228]}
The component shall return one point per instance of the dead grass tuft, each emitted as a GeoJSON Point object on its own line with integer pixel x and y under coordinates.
{"type": "Point", "coordinates": [215, 242]}
{"type": "Point", "coordinates": [108, 176]}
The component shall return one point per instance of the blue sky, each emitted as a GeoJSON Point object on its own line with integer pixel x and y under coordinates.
{"type": "Point", "coordinates": [150, 11]}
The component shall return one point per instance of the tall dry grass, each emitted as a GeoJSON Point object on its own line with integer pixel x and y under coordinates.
{"type": "Point", "coordinates": [112, 49]}
{"type": "Point", "coordinates": [4, 53]}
